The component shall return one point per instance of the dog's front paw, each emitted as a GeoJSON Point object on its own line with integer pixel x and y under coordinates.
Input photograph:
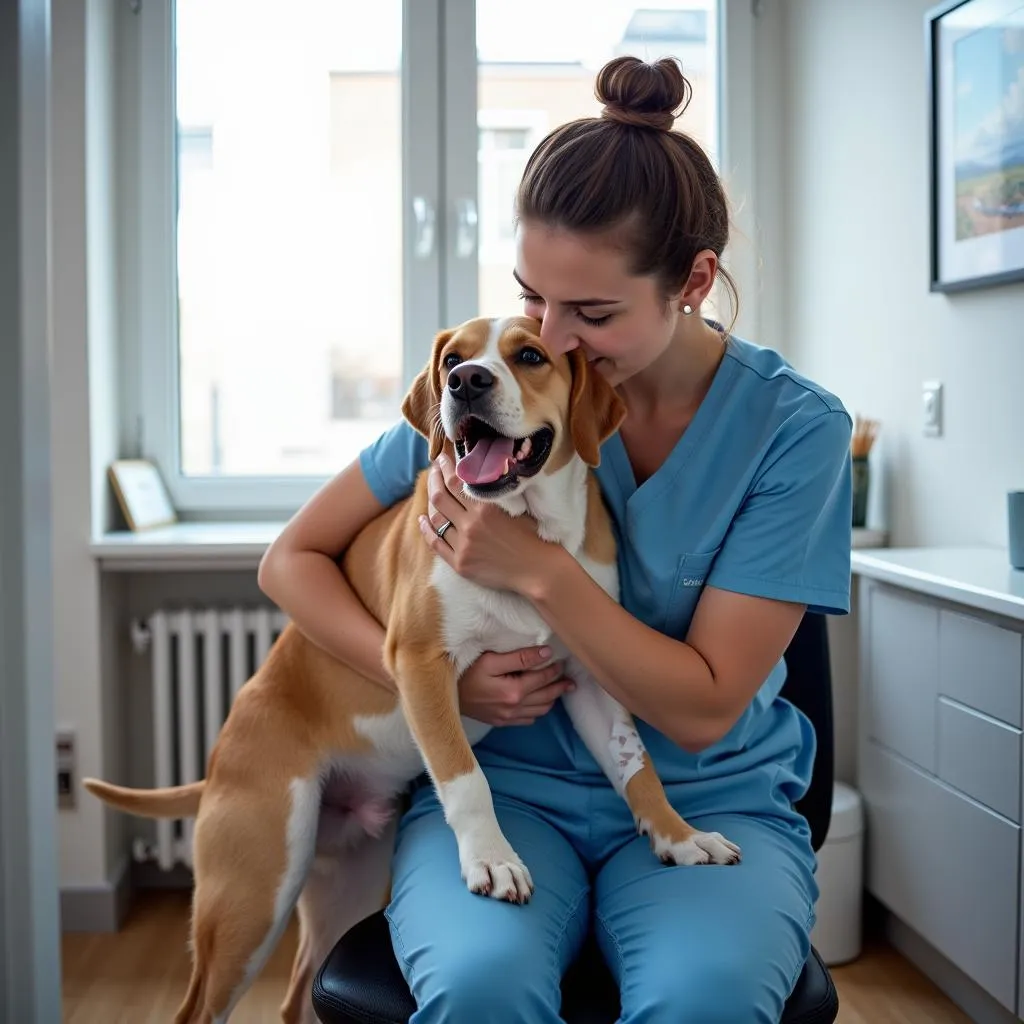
{"type": "Point", "coordinates": [697, 848]}
{"type": "Point", "coordinates": [494, 869]}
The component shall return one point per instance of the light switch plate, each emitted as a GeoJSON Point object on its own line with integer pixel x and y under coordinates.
{"type": "Point", "coordinates": [66, 769]}
{"type": "Point", "coordinates": [931, 408]}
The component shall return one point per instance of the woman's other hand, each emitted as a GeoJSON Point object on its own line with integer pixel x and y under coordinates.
{"type": "Point", "coordinates": [515, 688]}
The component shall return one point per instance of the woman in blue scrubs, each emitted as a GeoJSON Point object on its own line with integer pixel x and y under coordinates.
{"type": "Point", "coordinates": [729, 488]}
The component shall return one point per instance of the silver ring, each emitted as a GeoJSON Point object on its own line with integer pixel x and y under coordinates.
{"type": "Point", "coordinates": [440, 531]}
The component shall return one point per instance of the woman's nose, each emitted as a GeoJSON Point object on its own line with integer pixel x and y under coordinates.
{"type": "Point", "coordinates": [556, 338]}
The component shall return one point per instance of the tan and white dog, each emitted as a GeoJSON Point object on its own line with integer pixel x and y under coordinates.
{"type": "Point", "coordinates": [312, 755]}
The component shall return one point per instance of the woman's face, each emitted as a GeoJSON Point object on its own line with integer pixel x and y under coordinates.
{"type": "Point", "coordinates": [584, 296]}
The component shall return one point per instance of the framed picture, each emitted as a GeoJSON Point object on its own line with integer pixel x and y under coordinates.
{"type": "Point", "coordinates": [975, 61]}
{"type": "Point", "coordinates": [141, 494]}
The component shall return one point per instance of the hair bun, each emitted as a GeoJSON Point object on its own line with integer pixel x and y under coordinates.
{"type": "Point", "coordinates": [640, 94]}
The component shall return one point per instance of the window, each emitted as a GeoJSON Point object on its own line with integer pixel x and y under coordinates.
{"type": "Point", "coordinates": [289, 236]}
{"type": "Point", "coordinates": [315, 199]}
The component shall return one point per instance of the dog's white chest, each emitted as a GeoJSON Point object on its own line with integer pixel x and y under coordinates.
{"type": "Point", "coordinates": [396, 758]}
{"type": "Point", "coordinates": [475, 619]}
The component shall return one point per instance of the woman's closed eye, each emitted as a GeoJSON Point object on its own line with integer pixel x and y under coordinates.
{"type": "Point", "coordinates": [590, 321]}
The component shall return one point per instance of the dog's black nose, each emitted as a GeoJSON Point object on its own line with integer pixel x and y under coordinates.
{"type": "Point", "coordinates": [469, 382]}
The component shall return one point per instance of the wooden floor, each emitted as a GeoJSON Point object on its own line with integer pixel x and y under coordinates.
{"type": "Point", "coordinates": [139, 975]}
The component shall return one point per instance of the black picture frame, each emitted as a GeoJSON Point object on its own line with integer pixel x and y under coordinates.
{"type": "Point", "coordinates": [968, 250]}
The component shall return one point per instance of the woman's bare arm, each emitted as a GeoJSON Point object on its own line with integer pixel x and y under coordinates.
{"type": "Point", "coordinates": [299, 572]}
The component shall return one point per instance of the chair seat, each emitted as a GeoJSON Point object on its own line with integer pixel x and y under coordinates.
{"type": "Point", "coordinates": [361, 983]}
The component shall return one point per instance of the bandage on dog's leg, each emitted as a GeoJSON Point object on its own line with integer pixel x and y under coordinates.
{"type": "Point", "coordinates": [642, 788]}
{"type": "Point", "coordinates": [673, 839]}
{"type": "Point", "coordinates": [626, 747]}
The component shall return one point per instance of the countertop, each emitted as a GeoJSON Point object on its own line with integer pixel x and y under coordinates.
{"type": "Point", "coordinates": [979, 577]}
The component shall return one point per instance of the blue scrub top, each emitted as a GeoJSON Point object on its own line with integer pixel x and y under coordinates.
{"type": "Point", "coordinates": [754, 498]}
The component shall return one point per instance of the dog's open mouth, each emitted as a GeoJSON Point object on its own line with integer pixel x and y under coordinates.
{"type": "Point", "coordinates": [490, 461]}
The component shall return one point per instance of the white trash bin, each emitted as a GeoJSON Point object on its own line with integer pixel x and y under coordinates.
{"type": "Point", "coordinates": [837, 931]}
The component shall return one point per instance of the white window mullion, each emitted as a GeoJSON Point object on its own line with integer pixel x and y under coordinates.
{"type": "Point", "coordinates": [461, 265]}
{"type": "Point", "coordinates": [424, 218]}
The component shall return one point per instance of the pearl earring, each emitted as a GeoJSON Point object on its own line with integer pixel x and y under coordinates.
{"type": "Point", "coordinates": [687, 309]}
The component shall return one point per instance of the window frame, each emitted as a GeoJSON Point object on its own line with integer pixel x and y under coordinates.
{"type": "Point", "coordinates": [148, 257]}
{"type": "Point", "coordinates": [439, 175]}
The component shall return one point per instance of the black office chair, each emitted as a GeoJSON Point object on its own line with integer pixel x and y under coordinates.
{"type": "Point", "coordinates": [361, 982]}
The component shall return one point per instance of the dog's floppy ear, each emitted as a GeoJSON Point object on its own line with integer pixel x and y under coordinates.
{"type": "Point", "coordinates": [421, 404]}
{"type": "Point", "coordinates": [595, 409]}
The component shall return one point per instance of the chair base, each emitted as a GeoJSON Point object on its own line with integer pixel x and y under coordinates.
{"type": "Point", "coordinates": [361, 983]}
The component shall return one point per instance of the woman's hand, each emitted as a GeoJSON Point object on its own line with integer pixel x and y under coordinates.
{"type": "Point", "coordinates": [511, 689]}
{"type": "Point", "coordinates": [484, 543]}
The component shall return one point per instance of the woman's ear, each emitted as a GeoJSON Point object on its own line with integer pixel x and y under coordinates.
{"type": "Point", "coordinates": [698, 285]}
{"type": "Point", "coordinates": [595, 409]}
{"type": "Point", "coordinates": [421, 405]}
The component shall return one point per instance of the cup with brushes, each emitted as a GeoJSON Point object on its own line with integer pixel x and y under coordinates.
{"type": "Point", "coordinates": [865, 432]}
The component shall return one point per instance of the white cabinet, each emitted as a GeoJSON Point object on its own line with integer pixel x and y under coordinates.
{"type": "Point", "coordinates": [939, 767]}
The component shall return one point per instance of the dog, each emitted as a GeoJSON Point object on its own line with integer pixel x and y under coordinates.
{"type": "Point", "coordinates": [312, 756]}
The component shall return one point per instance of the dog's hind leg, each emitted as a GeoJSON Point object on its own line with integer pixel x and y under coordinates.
{"type": "Point", "coordinates": [252, 853]}
{"type": "Point", "coordinates": [342, 888]}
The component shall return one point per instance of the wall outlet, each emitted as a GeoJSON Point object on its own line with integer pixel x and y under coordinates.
{"type": "Point", "coordinates": [66, 773]}
{"type": "Point", "coordinates": [931, 408]}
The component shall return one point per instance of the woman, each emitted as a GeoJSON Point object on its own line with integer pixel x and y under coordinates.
{"type": "Point", "coordinates": [729, 485]}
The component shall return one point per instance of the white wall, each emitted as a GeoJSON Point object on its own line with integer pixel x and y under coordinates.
{"type": "Point", "coordinates": [84, 419]}
{"type": "Point", "coordinates": [860, 318]}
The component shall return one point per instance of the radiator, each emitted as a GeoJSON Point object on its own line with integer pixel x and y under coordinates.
{"type": "Point", "coordinates": [200, 659]}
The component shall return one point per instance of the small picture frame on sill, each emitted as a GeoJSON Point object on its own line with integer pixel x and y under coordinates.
{"type": "Point", "coordinates": [141, 494]}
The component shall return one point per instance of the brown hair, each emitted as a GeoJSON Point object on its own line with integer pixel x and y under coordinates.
{"type": "Point", "coordinates": [627, 172]}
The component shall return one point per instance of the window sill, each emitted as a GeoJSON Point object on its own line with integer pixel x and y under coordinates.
{"type": "Point", "coordinates": [185, 547]}
{"type": "Point", "coordinates": [192, 547]}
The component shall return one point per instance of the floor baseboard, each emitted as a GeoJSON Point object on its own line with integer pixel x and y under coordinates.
{"type": "Point", "coordinates": [96, 908]}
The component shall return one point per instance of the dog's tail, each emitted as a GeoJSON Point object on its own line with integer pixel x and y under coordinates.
{"type": "Point", "coordinates": [172, 802]}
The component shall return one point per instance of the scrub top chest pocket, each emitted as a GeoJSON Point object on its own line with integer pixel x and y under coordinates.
{"type": "Point", "coordinates": [691, 575]}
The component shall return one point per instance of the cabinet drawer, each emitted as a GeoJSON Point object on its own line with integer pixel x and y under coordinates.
{"type": "Point", "coordinates": [946, 866]}
{"type": "Point", "coordinates": [981, 757]}
{"type": "Point", "coordinates": [903, 668]}
{"type": "Point", "coordinates": [980, 666]}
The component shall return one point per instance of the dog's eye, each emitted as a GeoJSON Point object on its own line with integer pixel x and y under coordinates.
{"type": "Point", "coordinates": [452, 360]}
{"type": "Point", "coordinates": [531, 356]}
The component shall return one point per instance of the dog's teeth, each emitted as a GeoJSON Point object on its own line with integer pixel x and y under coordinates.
{"type": "Point", "coordinates": [524, 449]}
{"type": "Point", "coordinates": [504, 472]}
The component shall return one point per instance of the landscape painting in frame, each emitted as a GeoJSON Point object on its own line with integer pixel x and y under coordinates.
{"type": "Point", "coordinates": [975, 52]}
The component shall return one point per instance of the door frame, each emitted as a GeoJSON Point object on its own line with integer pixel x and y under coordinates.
{"type": "Point", "coordinates": [30, 966]}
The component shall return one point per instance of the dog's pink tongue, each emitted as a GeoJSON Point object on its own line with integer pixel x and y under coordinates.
{"type": "Point", "coordinates": [485, 463]}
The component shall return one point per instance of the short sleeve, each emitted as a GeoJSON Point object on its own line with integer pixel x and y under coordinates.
{"type": "Point", "coordinates": [393, 462]}
{"type": "Point", "coordinates": [791, 539]}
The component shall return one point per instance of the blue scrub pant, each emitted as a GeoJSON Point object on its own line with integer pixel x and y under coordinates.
{"type": "Point", "coordinates": [688, 945]}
